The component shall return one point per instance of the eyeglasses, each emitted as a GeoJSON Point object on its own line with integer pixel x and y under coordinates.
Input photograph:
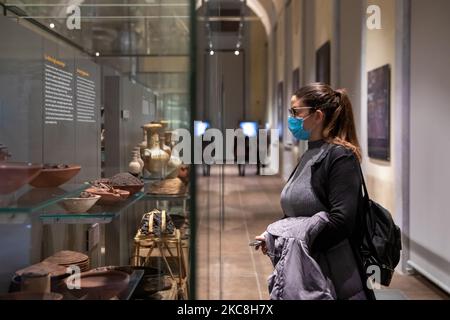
{"type": "Point", "coordinates": [295, 112]}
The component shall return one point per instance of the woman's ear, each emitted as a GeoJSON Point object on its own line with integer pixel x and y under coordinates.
{"type": "Point", "coordinates": [319, 116]}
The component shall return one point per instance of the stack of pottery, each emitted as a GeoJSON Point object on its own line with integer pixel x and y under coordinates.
{"type": "Point", "coordinates": [68, 258]}
{"type": "Point", "coordinates": [155, 158]}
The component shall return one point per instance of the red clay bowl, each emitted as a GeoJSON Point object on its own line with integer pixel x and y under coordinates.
{"type": "Point", "coordinates": [50, 178]}
{"type": "Point", "coordinates": [14, 175]}
{"type": "Point", "coordinates": [100, 285]}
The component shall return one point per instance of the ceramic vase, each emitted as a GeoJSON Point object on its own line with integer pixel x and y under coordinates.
{"type": "Point", "coordinates": [134, 167]}
{"type": "Point", "coordinates": [155, 158]}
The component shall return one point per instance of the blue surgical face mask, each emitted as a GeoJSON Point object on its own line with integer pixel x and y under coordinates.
{"type": "Point", "coordinates": [296, 127]}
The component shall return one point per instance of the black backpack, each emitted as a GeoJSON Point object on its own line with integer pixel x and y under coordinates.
{"type": "Point", "coordinates": [381, 240]}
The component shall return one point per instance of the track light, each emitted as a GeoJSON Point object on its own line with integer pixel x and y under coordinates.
{"type": "Point", "coordinates": [236, 52]}
{"type": "Point", "coordinates": [52, 25]}
{"type": "Point", "coordinates": [211, 52]}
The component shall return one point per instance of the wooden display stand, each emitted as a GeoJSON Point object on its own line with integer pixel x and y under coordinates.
{"type": "Point", "coordinates": [165, 245]}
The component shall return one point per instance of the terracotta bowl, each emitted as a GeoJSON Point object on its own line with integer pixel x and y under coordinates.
{"type": "Point", "coordinates": [108, 198]}
{"type": "Point", "coordinates": [131, 189]}
{"type": "Point", "coordinates": [50, 178]}
{"type": "Point", "coordinates": [79, 205]}
{"type": "Point", "coordinates": [23, 295]}
{"type": "Point", "coordinates": [100, 285]}
{"type": "Point", "coordinates": [14, 175]}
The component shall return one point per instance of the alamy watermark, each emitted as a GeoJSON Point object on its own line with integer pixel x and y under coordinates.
{"type": "Point", "coordinates": [373, 22]}
{"type": "Point", "coordinates": [373, 273]}
{"type": "Point", "coordinates": [73, 280]}
{"type": "Point", "coordinates": [73, 21]}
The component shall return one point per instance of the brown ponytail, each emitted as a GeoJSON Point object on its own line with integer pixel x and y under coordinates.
{"type": "Point", "coordinates": [339, 122]}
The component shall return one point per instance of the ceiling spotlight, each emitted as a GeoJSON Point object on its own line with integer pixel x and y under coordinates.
{"type": "Point", "coordinates": [52, 25]}
{"type": "Point", "coordinates": [97, 54]}
{"type": "Point", "coordinates": [236, 52]}
{"type": "Point", "coordinates": [211, 52]}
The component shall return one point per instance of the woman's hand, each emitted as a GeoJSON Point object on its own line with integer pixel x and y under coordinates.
{"type": "Point", "coordinates": [263, 243]}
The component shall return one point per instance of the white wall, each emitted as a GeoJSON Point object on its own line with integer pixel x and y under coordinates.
{"type": "Point", "coordinates": [430, 144]}
{"type": "Point", "coordinates": [308, 43]}
{"type": "Point", "coordinates": [297, 37]}
{"type": "Point", "coordinates": [351, 23]}
{"type": "Point", "coordinates": [323, 22]}
{"type": "Point", "coordinates": [380, 50]}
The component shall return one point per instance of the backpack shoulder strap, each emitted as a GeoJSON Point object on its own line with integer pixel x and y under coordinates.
{"type": "Point", "coordinates": [293, 171]}
{"type": "Point", "coordinates": [366, 194]}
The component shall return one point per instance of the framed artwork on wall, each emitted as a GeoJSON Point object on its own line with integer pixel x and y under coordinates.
{"type": "Point", "coordinates": [280, 108]}
{"type": "Point", "coordinates": [295, 80]}
{"type": "Point", "coordinates": [378, 112]}
{"type": "Point", "coordinates": [323, 63]}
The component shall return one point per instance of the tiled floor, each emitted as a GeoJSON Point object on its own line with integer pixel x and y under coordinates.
{"type": "Point", "coordinates": [227, 268]}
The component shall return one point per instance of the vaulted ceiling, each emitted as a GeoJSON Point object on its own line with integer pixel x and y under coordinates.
{"type": "Point", "coordinates": [266, 10]}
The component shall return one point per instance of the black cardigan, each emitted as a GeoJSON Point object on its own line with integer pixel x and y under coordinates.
{"type": "Point", "coordinates": [337, 183]}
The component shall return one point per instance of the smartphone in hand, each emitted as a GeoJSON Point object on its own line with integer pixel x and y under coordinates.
{"type": "Point", "coordinates": [255, 243]}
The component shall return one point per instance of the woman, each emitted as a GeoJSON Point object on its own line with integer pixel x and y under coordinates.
{"type": "Point", "coordinates": [327, 178]}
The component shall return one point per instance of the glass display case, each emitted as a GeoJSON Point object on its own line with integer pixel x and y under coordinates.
{"type": "Point", "coordinates": [87, 110]}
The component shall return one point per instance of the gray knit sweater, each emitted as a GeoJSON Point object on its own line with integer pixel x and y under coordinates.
{"type": "Point", "coordinates": [297, 197]}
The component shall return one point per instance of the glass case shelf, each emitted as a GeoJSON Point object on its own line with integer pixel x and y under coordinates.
{"type": "Point", "coordinates": [97, 214]}
{"type": "Point", "coordinates": [29, 199]}
{"type": "Point", "coordinates": [165, 197]}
